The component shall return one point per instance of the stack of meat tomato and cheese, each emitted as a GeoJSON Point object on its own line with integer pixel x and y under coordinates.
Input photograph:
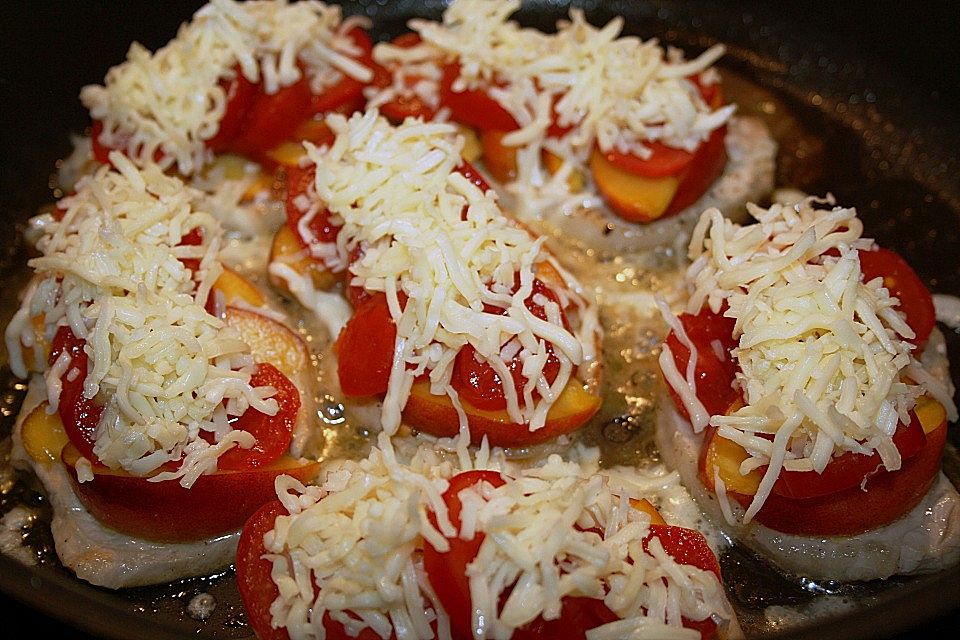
{"type": "Point", "coordinates": [166, 392]}
{"type": "Point", "coordinates": [170, 397]}
{"type": "Point", "coordinates": [812, 396]}
{"type": "Point", "coordinates": [603, 141]}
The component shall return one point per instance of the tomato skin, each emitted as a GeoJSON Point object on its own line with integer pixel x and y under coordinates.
{"type": "Point", "coordinates": [347, 93]}
{"type": "Point", "coordinates": [365, 349]}
{"type": "Point", "coordinates": [447, 571]}
{"type": "Point", "coordinates": [447, 574]}
{"type": "Point", "coordinates": [473, 107]}
{"type": "Point", "coordinates": [663, 161]}
{"type": "Point", "coordinates": [470, 173]}
{"type": "Point", "coordinates": [240, 96]}
{"type": "Point", "coordinates": [668, 161]}
{"type": "Point", "coordinates": [80, 415]}
{"type": "Point", "coordinates": [216, 504]}
{"type": "Point", "coordinates": [273, 433]}
{"type": "Point", "coordinates": [714, 376]}
{"type": "Point", "coordinates": [888, 496]}
{"type": "Point", "coordinates": [850, 469]}
{"type": "Point", "coordinates": [707, 165]}
{"type": "Point", "coordinates": [402, 107]}
{"type": "Point", "coordinates": [905, 285]}
{"type": "Point", "coordinates": [101, 153]}
{"type": "Point", "coordinates": [257, 589]}
{"type": "Point", "coordinates": [272, 118]}
{"type": "Point", "coordinates": [577, 616]}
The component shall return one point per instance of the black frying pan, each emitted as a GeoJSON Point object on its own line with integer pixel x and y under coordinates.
{"type": "Point", "coordinates": [874, 89]}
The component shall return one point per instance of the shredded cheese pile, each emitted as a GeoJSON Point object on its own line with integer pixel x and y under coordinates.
{"type": "Point", "coordinates": [163, 367]}
{"type": "Point", "coordinates": [616, 92]}
{"type": "Point", "coordinates": [352, 549]}
{"type": "Point", "coordinates": [428, 233]}
{"type": "Point", "coordinates": [825, 365]}
{"type": "Point", "coordinates": [162, 107]}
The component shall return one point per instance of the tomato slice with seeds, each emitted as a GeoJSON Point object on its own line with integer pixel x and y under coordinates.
{"type": "Point", "coordinates": [849, 469]}
{"type": "Point", "coordinates": [257, 588]}
{"type": "Point", "coordinates": [272, 118]}
{"type": "Point", "coordinates": [347, 93]}
{"type": "Point", "coordinates": [447, 571]}
{"type": "Point", "coordinates": [80, 415]}
{"type": "Point", "coordinates": [478, 382]}
{"type": "Point", "coordinates": [405, 106]}
{"type": "Point", "coordinates": [687, 546]}
{"type": "Point", "coordinates": [273, 433]}
{"type": "Point", "coordinates": [663, 161]}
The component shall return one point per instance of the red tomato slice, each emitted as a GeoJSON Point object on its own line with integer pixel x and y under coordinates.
{"type": "Point", "coordinates": [886, 498]}
{"type": "Point", "coordinates": [707, 165]}
{"type": "Point", "coordinates": [272, 118]}
{"type": "Point", "coordinates": [668, 161]}
{"type": "Point", "coordinates": [904, 284]}
{"type": "Point", "coordinates": [240, 95]}
{"type": "Point", "coordinates": [689, 547]}
{"type": "Point", "coordinates": [714, 374]}
{"type": "Point", "coordinates": [577, 616]}
{"type": "Point", "coordinates": [849, 470]}
{"type": "Point", "coordinates": [320, 226]}
{"type": "Point", "coordinates": [257, 589]}
{"type": "Point", "coordinates": [402, 107]}
{"type": "Point", "coordinates": [193, 238]}
{"type": "Point", "coordinates": [480, 384]}
{"type": "Point", "coordinates": [447, 572]}
{"type": "Point", "coordinates": [80, 415]}
{"type": "Point", "coordinates": [365, 349]}
{"type": "Point", "coordinates": [273, 433]}
{"type": "Point", "coordinates": [347, 93]}
{"type": "Point", "coordinates": [473, 107]}
{"type": "Point", "coordinates": [663, 161]}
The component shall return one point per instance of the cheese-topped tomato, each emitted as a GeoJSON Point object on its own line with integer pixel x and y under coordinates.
{"type": "Point", "coordinates": [154, 393]}
{"type": "Point", "coordinates": [797, 352]}
{"type": "Point", "coordinates": [461, 319]}
{"type": "Point", "coordinates": [253, 71]}
{"type": "Point", "coordinates": [652, 142]}
{"type": "Point", "coordinates": [543, 552]}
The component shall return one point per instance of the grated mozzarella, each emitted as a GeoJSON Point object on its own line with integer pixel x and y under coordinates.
{"type": "Point", "coordinates": [163, 368]}
{"type": "Point", "coordinates": [611, 91]}
{"type": "Point", "coordinates": [824, 362]}
{"type": "Point", "coordinates": [162, 107]}
{"type": "Point", "coordinates": [353, 549]}
{"type": "Point", "coordinates": [429, 235]}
